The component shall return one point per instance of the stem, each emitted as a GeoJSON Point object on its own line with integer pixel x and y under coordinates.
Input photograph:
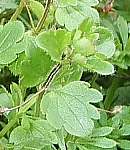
{"type": "Point", "coordinates": [30, 17]}
{"type": "Point", "coordinates": [28, 103]}
{"type": "Point", "coordinates": [8, 126]}
{"type": "Point", "coordinates": [37, 105]}
{"type": "Point", "coordinates": [44, 16]}
{"type": "Point", "coordinates": [18, 10]}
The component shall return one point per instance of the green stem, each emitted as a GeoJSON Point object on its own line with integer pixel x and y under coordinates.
{"type": "Point", "coordinates": [43, 18]}
{"type": "Point", "coordinates": [8, 126]}
{"type": "Point", "coordinates": [18, 10]}
{"type": "Point", "coordinates": [37, 105]}
{"type": "Point", "coordinates": [30, 17]}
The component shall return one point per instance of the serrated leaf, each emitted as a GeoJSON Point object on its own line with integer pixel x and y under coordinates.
{"type": "Point", "coordinates": [54, 42]}
{"type": "Point", "coordinates": [15, 66]}
{"type": "Point", "coordinates": [95, 64]}
{"type": "Point", "coordinates": [10, 43]}
{"type": "Point", "coordinates": [34, 138]}
{"type": "Point", "coordinates": [67, 107]}
{"type": "Point", "coordinates": [102, 131]}
{"type": "Point", "coordinates": [72, 17]}
{"type": "Point", "coordinates": [35, 70]}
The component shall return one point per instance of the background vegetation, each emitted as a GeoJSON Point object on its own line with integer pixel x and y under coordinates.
{"type": "Point", "coordinates": [64, 74]}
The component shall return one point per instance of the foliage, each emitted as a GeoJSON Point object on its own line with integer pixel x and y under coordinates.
{"type": "Point", "coordinates": [64, 66]}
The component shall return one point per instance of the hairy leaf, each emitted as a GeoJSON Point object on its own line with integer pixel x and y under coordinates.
{"type": "Point", "coordinates": [35, 69]}
{"type": "Point", "coordinates": [103, 131]}
{"type": "Point", "coordinates": [95, 64]}
{"type": "Point", "coordinates": [12, 32]}
{"type": "Point", "coordinates": [72, 17]}
{"type": "Point", "coordinates": [54, 42]}
{"type": "Point", "coordinates": [37, 136]}
{"type": "Point", "coordinates": [69, 107]}
{"type": "Point", "coordinates": [105, 44]}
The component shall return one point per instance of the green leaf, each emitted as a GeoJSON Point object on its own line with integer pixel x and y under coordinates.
{"type": "Point", "coordinates": [95, 64]}
{"type": "Point", "coordinates": [3, 142]}
{"type": "Point", "coordinates": [102, 131]}
{"type": "Point", "coordinates": [54, 42]}
{"type": "Point", "coordinates": [124, 144]}
{"type": "Point", "coordinates": [15, 66]}
{"type": "Point", "coordinates": [47, 147]}
{"type": "Point", "coordinates": [37, 8]}
{"type": "Point", "coordinates": [87, 25]}
{"type": "Point", "coordinates": [88, 147]}
{"type": "Point", "coordinates": [16, 94]}
{"type": "Point", "coordinates": [61, 141]}
{"type": "Point", "coordinates": [65, 3]}
{"type": "Point", "coordinates": [123, 29]}
{"type": "Point", "coordinates": [105, 44]}
{"type": "Point", "coordinates": [5, 100]}
{"type": "Point", "coordinates": [72, 17]}
{"type": "Point", "coordinates": [67, 74]}
{"type": "Point", "coordinates": [35, 70]}
{"type": "Point", "coordinates": [1, 28]}
{"type": "Point", "coordinates": [69, 107]}
{"type": "Point", "coordinates": [71, 146]}
{"type": "Point", "coordinates": [103, 142]}
{"type": "Point", "coordinates": [25, 124]}
{"type": "Point", "coordinates": [84, 47]}
{"type": "Point", "coordinates": [107, 48]}
{"type": "Point", "coordinates": [39, 134]}
{"type": "Point", "coordinates": [7, 4]}
{"type": "Point", "coordinates": [10, 41]}
{"type": "Point", "coordinates": [125, 130]}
